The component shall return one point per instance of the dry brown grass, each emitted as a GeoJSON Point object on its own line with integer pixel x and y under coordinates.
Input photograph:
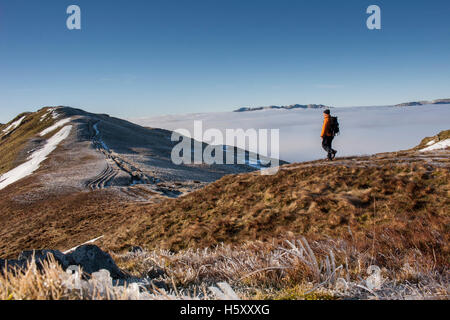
{"type": "Point", "coordinates": [390, 205]}
{"type": "Point", "coordinates": [59, 222]}
{"type": "Point", "coordinates": [293, 269]}
{"type": "Point", "coordinates": [50, 282]}
{"type": "Point", "coordinates": [387, 208]}
{"type": "Point", "coordinates": [384, 206]}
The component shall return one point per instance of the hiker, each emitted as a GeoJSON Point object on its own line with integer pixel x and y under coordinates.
{"type": "Point", "coordinates": [328, 133]}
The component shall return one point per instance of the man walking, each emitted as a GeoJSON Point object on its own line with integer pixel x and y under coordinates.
{"type": "Point", "coordinates": [328, 135]}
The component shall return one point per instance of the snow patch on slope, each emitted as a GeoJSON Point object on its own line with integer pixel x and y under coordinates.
{"type": "Point", "coordinates": [437, 146]}
{"type": "Point", "coordinates": [34, 160]}
{"type": "Point", "coordinates": [55, 114]}
{"type": "Point", "coordinates": [50, 112]}
{"type": "Point", "coordinates": [55, 126]}
{"type": "Point", "coordinates": [13, 125]}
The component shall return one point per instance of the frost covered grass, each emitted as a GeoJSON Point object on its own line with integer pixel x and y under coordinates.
{"type": "Point", "coordinates": [51, 282]}
{"type": "Point", "coordinates": [293, 269]}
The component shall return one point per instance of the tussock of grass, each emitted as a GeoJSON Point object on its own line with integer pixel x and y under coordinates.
{"type": "Point", "coordinates": [52, 283]}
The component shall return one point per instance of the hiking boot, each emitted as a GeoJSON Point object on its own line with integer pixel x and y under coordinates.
{"type": "Point", "coordinates": [333, 155]}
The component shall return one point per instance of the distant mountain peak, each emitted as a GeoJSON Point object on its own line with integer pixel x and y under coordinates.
{"type": "Point", "coordinates": [289, 107]}
{"type": "Point", "coordinates": [421, 103]}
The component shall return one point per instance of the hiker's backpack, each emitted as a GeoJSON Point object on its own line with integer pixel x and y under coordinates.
{"type": "Point", "coordinates": [334, 126]}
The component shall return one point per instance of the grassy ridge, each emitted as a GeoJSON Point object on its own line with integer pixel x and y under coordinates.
{"type": "Point", "coordinates": [387, 206]}
{"type": "Point", "coordinates": [13, 144]}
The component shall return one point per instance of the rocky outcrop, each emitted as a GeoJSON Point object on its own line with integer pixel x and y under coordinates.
{"type": "Point", "coordinates": [92, 259]}
{"type": "Point", "coordinates": [43, 255]}
{"type": "Point", "coordinates": [89, 257]}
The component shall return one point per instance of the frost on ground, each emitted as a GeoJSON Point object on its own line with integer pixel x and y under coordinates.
{"type": "Point", "coordinates": [295, 270]}
{"type": "Point", "coordinates": [432, 145]}
{"type": "Point", "coordinates": [13, 125]}
{"type": "Point", "coordinates": [34, 160]}
{"type": "Point", "coordinates": [57, 125]}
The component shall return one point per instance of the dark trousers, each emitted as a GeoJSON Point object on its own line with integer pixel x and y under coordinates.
{"type": "Point", "coordinates": [326, 145]}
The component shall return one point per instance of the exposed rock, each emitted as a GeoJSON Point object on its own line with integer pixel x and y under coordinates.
{"type": "Point", "coordinates": [12, 264]}
{"type": "Point", "coordinates": [160, 285]}
{"type": "Point", "coordinates": [92, 259]}
{"type": "Point", "coordinates": [89, 257]}
{"type": "Point", "coordinates": [43, 255]}
{"type": "Point", "coordinates": [155, 272]}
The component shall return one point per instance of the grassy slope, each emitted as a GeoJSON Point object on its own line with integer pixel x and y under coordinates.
{"type": "Point", "coordinates": [385, 207]}
{"type": "Point", "coordinates": [392, 208]}
{"type": "Point", "coordinates": [381, 203]}
{"type": "Point", "coordinates": [12, 144]}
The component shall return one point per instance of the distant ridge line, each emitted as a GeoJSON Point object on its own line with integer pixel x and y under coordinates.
{"type": "Point", "coordinates": [292, 106]}
{"type": "Point", "coordinates": [421, 103]}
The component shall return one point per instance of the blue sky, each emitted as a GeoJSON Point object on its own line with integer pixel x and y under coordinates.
{"type": "Point", "coordinates": [142, 57]}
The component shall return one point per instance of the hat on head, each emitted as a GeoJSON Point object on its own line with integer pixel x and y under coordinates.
{"type": "Point", "coordinates": [327, 111]}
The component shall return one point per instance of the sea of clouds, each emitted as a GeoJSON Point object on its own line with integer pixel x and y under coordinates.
{"type": "Point", "coordinates": [364, 130]}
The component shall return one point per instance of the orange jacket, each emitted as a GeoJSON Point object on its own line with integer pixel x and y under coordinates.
{"type": "Point", "coordinates": [326, 128]}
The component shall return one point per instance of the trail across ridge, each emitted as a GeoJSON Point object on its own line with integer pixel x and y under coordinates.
{"type": "Point", "coordinates": [108, 174]}
{"type": "Point", "coordinates": [102, 180]}
{"type": "Point", "coordinates": [119, 172]}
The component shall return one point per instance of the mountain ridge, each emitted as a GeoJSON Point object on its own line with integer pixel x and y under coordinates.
{"type": "Point", "coordinates": [112, 153]}
{"type": "Point", "coordinates": [277, 236]}
{"type": "Point", "coordinates": [420, 103]}
{"type": "Point", "coordinates": [321, 106]}
{"type": "Point", "coordinates": [289, 107]}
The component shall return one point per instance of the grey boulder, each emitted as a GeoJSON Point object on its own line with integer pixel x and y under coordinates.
{"type": "Point", "coordinates": [92, 259]}
{"type": "Point", "coordinates": [89, 257]}
{"type": "Point", "coordinates": [44, 255]}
